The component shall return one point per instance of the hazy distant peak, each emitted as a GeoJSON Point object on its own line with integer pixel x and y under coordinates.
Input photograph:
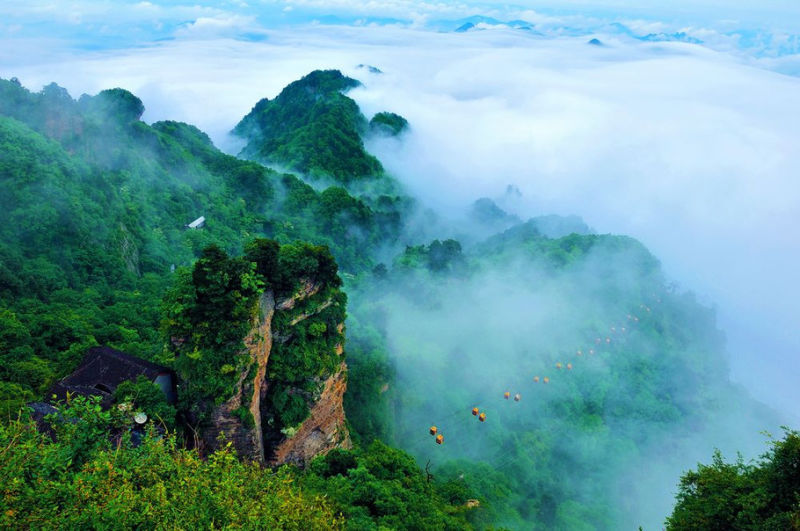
{"type": "Point", "coordinates": [388, 123]}
{"type": "Point", "coordinates": [371, 69]}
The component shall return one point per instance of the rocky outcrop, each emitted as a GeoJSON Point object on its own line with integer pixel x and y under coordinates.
{"type": "Point", "coordinates": [245, 420]}
{"type": "Point", "coordinates": [324, 430]}
{"type": "Point", "coordinates": [325, 427]}
{"type": "Point", "coordinates": [238, 420]}
{"type": "Point", "coordinates": [307, 290]}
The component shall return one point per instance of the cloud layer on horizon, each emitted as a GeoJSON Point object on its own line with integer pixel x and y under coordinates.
{"type": "Point", "coordinates": [761, 30]}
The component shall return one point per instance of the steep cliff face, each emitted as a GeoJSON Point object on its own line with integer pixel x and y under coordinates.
{"type": "Point", "coordinates": [306, 326]}
{"type": "Point", "coordinates": [324, 427]}
{"type": "Point", "coordinates": [238, 420]}
{"type": "Point", "coordinates": [322, 431]}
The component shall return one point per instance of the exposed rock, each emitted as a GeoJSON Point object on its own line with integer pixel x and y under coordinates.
{"type": "Point", "coordinates": [228, 420]}
{"type": "Point", "coordinates": [324, 429]}
{"type": "Point", "coordinates": [308, 289]}
{"type": "Point", "coordinates": [129, 251]}
{"type": "Point", "coordinates": [304, 316]}
{"type": "Point", "coordinates": [241, 419]}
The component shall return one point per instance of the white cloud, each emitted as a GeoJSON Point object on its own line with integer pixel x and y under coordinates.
{"type": "Point", "coordinates": [218, 26]}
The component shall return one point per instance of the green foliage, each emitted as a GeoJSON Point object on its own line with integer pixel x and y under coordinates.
{"type": "Point", "coordinates": [83, 481]}
{"type": "Point", "coordinates": [116, 103]}
{"type": "Point", "coordinates": [305, 354]}
{"type": "Point", "coordinates": [764, 495]}
{"type": "Point", "coordinates": [144, 395]}
{"type": "Point", "coordinates": [93, 205]}
{"type": "Point", "coordinates": [312, 128]}
{"type": "Point", "coordinates": [264, 254]}
{"type": "Point", "coordinates": [370, 374]}
{"type": "Point", "coordinates": [304, 262]}
{"type": "Point", "coordinates": [207, 317]}
{"type": "Point", "coordinates": [93, 208]}
{"type": "Point", "coordinates": [209, 312]}
{"type": "Point", "coordinates": [13, 397]}
{"type": "Point", "coordinates": [388, 123]}
{"type": "Point", "coordinates": [383, 488]}
{"type": "Point", "coordinates": [439, 256]}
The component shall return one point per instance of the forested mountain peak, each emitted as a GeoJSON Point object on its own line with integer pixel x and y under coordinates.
{"type": "Point", "coordinates": [313, 128]}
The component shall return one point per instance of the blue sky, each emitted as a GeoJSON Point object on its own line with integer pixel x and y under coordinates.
{"type": "Point", "coordinates": [768, 28]}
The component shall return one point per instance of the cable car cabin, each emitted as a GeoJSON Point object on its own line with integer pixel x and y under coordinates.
{"type": "Point", "coordinates": [475, 411]}
{"type": "Point", "coordinates": [506, 395]}
{"type": "Point", "coordinates": [482, 417]}
{"type": "Point", "coordinates": [439, 439]}
{"type": "Point", "coordinates": [433, 430]}
{"type": "Point", "coordinates": [517, 397]}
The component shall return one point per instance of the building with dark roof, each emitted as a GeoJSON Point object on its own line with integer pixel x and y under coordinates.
{"type": "Point", "coordinates": [104, 368]}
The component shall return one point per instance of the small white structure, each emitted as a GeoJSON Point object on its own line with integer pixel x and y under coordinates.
{"type": "Point", "coordinates": [198, 223]}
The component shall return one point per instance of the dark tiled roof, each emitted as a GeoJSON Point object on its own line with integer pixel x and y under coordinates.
{"type": "Point", "coordinates": [102, 370]}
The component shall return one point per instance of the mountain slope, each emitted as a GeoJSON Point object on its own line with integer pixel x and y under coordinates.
{"type": "Point", "coordinates": [311, 127]}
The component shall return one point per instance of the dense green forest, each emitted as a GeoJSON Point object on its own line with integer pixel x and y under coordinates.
{"type": "Point", "coordinates": [313, 128]}
{"type": "Point", "coordinates": [85, 480]}
{"type": "Point", "coordinates": [95, 249]}
{"type": "Point", "coordinates": [739, 495]}
{"type": "Point", "coordinates": [95, 204]}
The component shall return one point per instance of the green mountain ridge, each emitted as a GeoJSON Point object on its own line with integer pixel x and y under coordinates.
{"type": "Point", "coordinates": [313, 128]}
